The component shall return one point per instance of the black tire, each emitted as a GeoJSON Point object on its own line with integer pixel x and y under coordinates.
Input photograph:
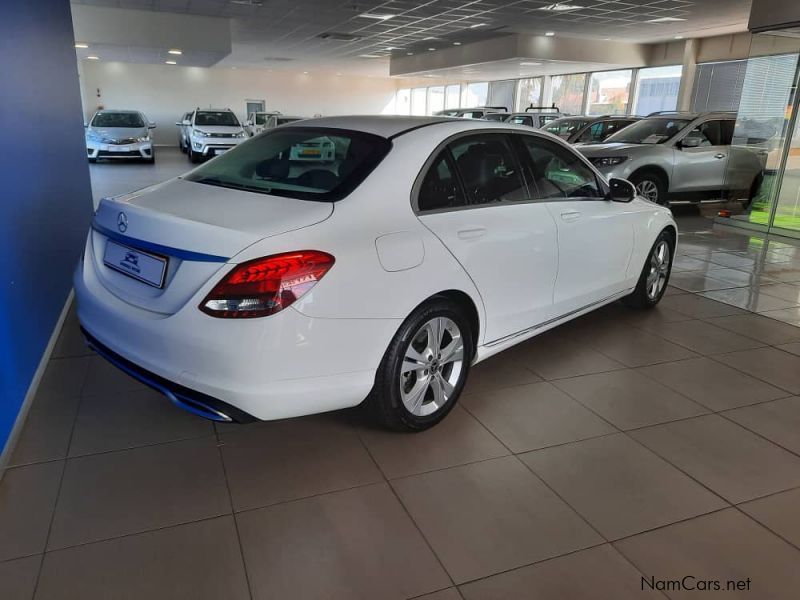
{"type": "Point", "coordinates": [194, 157]}
{"type": "Point", "coordinates": [385, 401]}
{"type": "Point", "coordinates": [152, 159]}
{"type": "Point", "coordinates": [651, 180]}
{"type": "Point", "coordinates": [92, 160]}
{"type": "Point", "coordinates": [182, 146]}
{"type": "Point", "coordinates": [641, 297]}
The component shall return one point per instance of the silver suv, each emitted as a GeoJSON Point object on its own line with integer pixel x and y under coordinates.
{"type": "Point", "coordinates": [680, 157]}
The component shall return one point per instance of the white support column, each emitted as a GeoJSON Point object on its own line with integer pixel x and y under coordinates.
{"type": "Point", "coordinates": [686, 90]}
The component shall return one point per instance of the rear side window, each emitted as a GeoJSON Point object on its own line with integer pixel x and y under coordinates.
{"type": "Point", "coordinates": [558, 173]}
{"type": "Point", "coordinates": [522, 120]}
{"type": "Point", "coordinates": [488, 168]}
{"type": "Point", "coordinates": [307, 163]}
{"type": "Point", "coordinates": [708, 134]}
{"type": "Point", "coordinates": [440, 189]}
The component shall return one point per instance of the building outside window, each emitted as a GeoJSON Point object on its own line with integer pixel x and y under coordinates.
{"type": "Point", "coordinates": [609, 93]}
{"type": "Point", "coordinates": [418, 101]}
{"type": "Point", "coordinates": [474, 94]}
{"type": "Point", "coordinates": [718, 85]}
{"type": "Point", "coordinates": [435, 99]}
{"type": "Point", "coordinates": [657, 89]}
{"type": "Point", "coordinates": [567, 92]}
{"type": "Point", "coordinates": [402, 102]}
{"type": "Point", "coordinates": [452, 96]}
{"type": "Point", "coordinates": [529, 93]}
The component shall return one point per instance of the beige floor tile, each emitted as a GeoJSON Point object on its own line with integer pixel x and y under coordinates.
{"type": "Point", "coordinates": [733, 462]}
{"type": "Point", "coordinates": [599, 573]}
{"type": "Point", "coordinates": [698, 307]}
{"type": "Point", "coordinates": [779, 368]}
{"type": "Point", "coordinates": [554, 357]}
{"type": "Point", "coordinates": [704, 338]}
{"type": "Point", "coordinates": [457, 440]}
{"type": "Point", "coordinates": [620, 487]}
{"type": "Point", "coordinates": [712, 384]}
{"type": "Point", "coordinates": [295, 458]}
{"type": "Point", "coordinates": [498, 372]}
{"type": "Point", "coordinates": [724, 546]}
{"type": "Point", "coordinates": [779, 513]}
{"type": "Point", "coordinates": [759, 328]}
{"type": "Point", "coordinates": [628, 399]}
{"type": "Point", "coordinates": [778, 421]}
{"type": "Point", "coordinates": [197, 561]}
{"type": "Point", "coordinates": [357, 543]}
{"type": "Point", "coordinates": [492, 516]}
{"type": "Point", "coordinates": [534, 416]}
{"type": "Point", "coordinates": [18, 578]}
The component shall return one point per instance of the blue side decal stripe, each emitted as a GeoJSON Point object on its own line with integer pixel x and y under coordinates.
{"type": "Point", "coordinates": [158, 248]}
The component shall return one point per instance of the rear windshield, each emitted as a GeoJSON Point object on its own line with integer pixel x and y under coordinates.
{"type": "Point", "coordinates": [216, 117]}
{"type": "Point", "coordinates": [649, 131]}
{"type": "Point", "coordinates": [126, 119]}
{"type": "Point", "coordinates": [285, 120]}
{"type": "Point", "coordinates": [307, 163]}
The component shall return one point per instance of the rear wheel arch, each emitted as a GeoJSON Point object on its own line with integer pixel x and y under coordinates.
{"type": "Point", "coordinates": [467, 305]}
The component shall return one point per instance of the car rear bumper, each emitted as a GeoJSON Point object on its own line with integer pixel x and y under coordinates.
{"type": "Point", "coordinates": [281, 366]}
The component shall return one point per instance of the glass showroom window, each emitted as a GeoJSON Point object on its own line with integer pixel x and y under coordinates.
{"type": "Point", "coordinates": [435, 99]}
{"type": "Point", "coordinates": [568, 92]}
{"type": "Point", "coordinates": [657, 89]}
{"type": "Point", "coordinates": [609, 93]}
{"type": "Point", "coordinates": [529, 92]}
{"type": "Point", "coordinates": [475, 94]}
{"type": "Point", "coordinates": [402, 102]}
{"type": "Point", "coordinates": [418, 101]}
{"type": "Point", "coordinates": [452, 96]}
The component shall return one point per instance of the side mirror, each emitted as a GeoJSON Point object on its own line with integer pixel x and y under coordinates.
{"type": "Point", "coordinates": [85, 124]}
{"type": "Point", "coordinates": [622, 190]}
{"type": "Point", "coordinates": [690, 142]}
{"type": "Point", "coordinates": [248, 123]}
{"type": "Point", "coordinates": [151, 125]}
{"type": "Point", "coordinates": [179, 123]}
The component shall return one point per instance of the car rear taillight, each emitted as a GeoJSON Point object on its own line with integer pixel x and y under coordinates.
{"type": "Point", "coordinates": [264, 286]}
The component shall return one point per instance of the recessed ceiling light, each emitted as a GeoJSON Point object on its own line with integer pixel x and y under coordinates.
{"type": "Point", "coordinates": [93, 57]}
{"type": "Point", "coordinates": [172, 62]}
{"type": "Point", "coordinates": [678, 37]}
{"type": "Point", "coordinates": [456, 43]}
{"type": "Point", "coordinates": [665, 20]}
{"type": "Point", "coordinates": [338, 74]}
{"type": "Point", "coordinates": [560, 6]}
{"type": "Point", "coordinates": [428, 39]}
{"type": "Point", "coordinates": [409, 54]}
{"type": "Point", "coordinates": [549, 33]}
{"type": "Point", "coordinates": [431, 49]}
{"type": "Point", "coordinates": [81, 45]}
{"type": "Point", "coordinates": [476, 25]}
{"type": "Point", "coordinates": [376, 16]}
{"type": "Point", "coordinates": [175, 52]}
{"type": "Point", "coordinates": [530, 64]}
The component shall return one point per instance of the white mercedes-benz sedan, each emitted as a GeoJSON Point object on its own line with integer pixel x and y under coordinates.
{"type": "Point", "coordinates": [259, 286]}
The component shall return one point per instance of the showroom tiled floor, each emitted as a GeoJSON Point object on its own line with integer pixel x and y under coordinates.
{"type": "Point", "coordinates": [624, 444]}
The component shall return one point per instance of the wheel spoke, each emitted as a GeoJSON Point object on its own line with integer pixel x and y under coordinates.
{"type": "Point", "coordinates": [414, 401]}
{"type": "Point", "coordinates": [447, 387]}
{"type": "Point", "coordinates": [453, 352]}
{"type": "Point", "coordinates": [439, 396]}
{"type": "Point", "coordinates": [413, 361]}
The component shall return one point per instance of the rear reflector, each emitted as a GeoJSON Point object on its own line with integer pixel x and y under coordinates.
{"type": "Point", "coordinates": [264, 286]}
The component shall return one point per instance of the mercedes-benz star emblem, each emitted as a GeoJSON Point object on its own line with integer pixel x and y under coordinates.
{"type": "Point", "coordinates": [122, 222]}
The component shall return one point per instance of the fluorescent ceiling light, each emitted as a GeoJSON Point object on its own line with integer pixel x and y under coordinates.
{"type": "Point", "coordinates": [172, 62]}
{"type": "Point", "coordinates": [456, 43]}
{"type": "Point", "coordinates": [376, 16]}
{"type": "Point", "coordinates": [665, 20]}
{"type": "Point", "coordinates": [305, 72]}
{"type": "Point", "coordinates": [550, 33]}
{"type": "Point", "coordinates": [530, 64]}
{"type": "Point", "coordinates": [175, 51]}
{"type": "Point", "coordinates": [560, 6]}
{"type": "Point", "coordinates": [678, 37]}
{"type": "Point", "coordinates": [369, 55]}
{"type": "Point", "coordinates": [476, 25]}
{"type": "Point", "coordinates": [431, 49]}
{"type": "Point", "coordinates": [93, 57]}
{"type": "Point", "coordinates": [81, 45]}
{"type": "Point", "coordinates": [409, 54]}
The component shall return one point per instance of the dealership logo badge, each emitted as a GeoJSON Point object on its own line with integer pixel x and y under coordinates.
{"type": "Point", "coordinates": [122, 222]}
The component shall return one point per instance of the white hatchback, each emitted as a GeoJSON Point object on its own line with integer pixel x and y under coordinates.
{"type": "Point", "coordinates": [259, 286]}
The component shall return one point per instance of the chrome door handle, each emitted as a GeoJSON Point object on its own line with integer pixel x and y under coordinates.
{"type": "Point", "coordinates": [471, 233]}
{"type": "Point", "coordinates": [570, 215]}
{"type": "Point", "coordinates": [720, 155]}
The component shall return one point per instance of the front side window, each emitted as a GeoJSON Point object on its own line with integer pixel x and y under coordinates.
{"type": "Point", "coordinates": [558, 173]}
{"type": "Point", "coordinates": [223, 118]}
{"type": "Point", "coordinates": [131, 120]}
{"type": "Point", "coordinates": [440, 189]}
{"type": "Point", "coordinates": [649, 131]}
{"type": "Point", "coordinates": [306, 163]}
{"type": "Point", "coordinates": [706, 134]}
{"type": "Point", "coordinates": [521, 120]}
{"type": "Point", "coordinates": [488, 168]}
{"type": "Point", "coordinates": [261, 119]}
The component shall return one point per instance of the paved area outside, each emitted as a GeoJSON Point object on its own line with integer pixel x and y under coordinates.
{"type": "Point", "coordinates": [624, 445]}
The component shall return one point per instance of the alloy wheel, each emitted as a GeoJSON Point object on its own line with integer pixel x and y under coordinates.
{"type": "Point", "coordinates": [648, 189]}
{"type": "Point", "coordinates": [659, 270]}
{"type": "Point", "coordinates": [432, 366]}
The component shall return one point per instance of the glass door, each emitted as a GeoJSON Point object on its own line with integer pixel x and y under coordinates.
{"type": "Point", "coordinates": [787, 209]}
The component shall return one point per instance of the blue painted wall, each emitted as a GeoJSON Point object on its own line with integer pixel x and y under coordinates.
{"type": "Point", "coordinates": [45, 193]}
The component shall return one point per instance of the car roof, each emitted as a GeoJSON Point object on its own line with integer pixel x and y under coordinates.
{"type": "Point", "coordinates": [384, 126]}
{"type": "Point", "coordinates": [690, 115]}
{"type": "Point", "coordinates": [117, 110]}
{"type": "Point", "coordinates": [213, 110]}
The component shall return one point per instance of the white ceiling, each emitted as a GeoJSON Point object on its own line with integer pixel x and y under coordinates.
{"type": "Point", "coordinates": [284, 34]}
